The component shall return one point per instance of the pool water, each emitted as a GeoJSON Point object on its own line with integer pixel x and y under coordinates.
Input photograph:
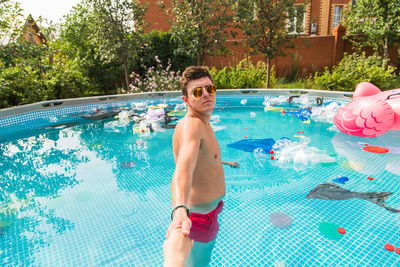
{"type": "Point", "coordinates": [88, 195]}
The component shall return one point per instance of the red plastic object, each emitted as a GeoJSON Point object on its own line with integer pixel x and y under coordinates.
{"type": "Point", "coordinates": [370, 178]}
{"type": "Point", "coordinates": [376, 149]}
{"type": "Point", "coordinates": [389, 247]}
{"type": "Point", "coordinates": [283, 111]}
{"type": "Point", "coordinates": [272, 157]}
{"type": "Point", "coordinates": [245, 137]}
{"type": "Point", "coordinates": [300, 131]}
{"type": "Point", "coordinates": [271, 152]}
{"type": "Point", "coordinates": [398, 251]}
{"type": "Point", "coordinates": [341, 230]}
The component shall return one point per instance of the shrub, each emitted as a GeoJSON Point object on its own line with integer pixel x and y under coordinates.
{"type": "Point", "coordinates": [33, 73]}
{"type": "Point", "coordinates": [20, 84]}
{"type": "Point", "coordinates": [356, 68]}
{"type": "Point", "coordinates": [164, 46]}
{"type": "Point", "coordinates": [65, 80]}
{"type": "Point", "coordinates": [156, 78]}
{"type": "Point", "coordinates": [244, 75]}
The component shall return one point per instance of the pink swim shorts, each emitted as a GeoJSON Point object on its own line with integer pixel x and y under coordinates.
{"type": "Point", "coordinates": [205, 226]}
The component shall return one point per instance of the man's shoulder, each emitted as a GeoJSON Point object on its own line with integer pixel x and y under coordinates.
{"type": "Point", "coordinates": [190, 124]}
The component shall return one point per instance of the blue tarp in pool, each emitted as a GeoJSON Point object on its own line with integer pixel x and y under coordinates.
{"type": "Point", "coordinates": [249, 145]}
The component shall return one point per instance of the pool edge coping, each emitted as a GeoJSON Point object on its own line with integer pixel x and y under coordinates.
{"type": "Point", "coordinates": [54, 104]}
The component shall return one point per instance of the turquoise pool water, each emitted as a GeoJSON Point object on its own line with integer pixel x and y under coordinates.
{"type": "Point", "coordinates": [91, 194]}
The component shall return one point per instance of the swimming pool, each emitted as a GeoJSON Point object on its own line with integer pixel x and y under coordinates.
{"type": "Point", "coordinates": [98, 193]}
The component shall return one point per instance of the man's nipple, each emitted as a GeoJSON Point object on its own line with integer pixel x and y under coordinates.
{"type": "Point", "coordinates": [216, 156]}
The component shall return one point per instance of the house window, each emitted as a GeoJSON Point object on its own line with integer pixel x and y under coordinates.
{"type": "Point", "coordinates": [337, 15]}
{"type": "Point", "coordinates": [297, 19]}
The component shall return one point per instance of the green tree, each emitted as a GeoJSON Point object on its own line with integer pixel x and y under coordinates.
{"type": "Point", "coordinates": [10, 21]}
{"type": "Point", "coordinates": [374, 23]}
{"type": "Point", "coordinates": [119, 27]}
{"type": "Point", "coordinates": [77, 43]}
{"type": "Point", "coordinates": [199, 26]}
{"type": "Point", "coordinates": [265, 24]}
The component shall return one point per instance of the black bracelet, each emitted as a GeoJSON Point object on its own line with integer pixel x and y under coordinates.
{"type": "Point", "coordinates": [177, 207]}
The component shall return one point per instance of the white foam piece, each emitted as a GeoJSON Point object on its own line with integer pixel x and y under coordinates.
{"type": "Point", "coordinates": [300, 154]}
{"type": "Point", "coordinates": [325, 113]}
{"type": "Point", "coordinates": [217, 128]}
{"type": "Point", "coordinates": [252, 115]}
{"type": "Point", "coordinates": [139, 105]}
{"type": "Point", "coordinates": [273, 100]}
{"type": "Point", "coordinates": [333, 128]}
{"type": "Point", "coordinates": [123, 116]}
{"type": "Point", "coordinates": [215, 119]}
{"type": "Point", "coordinates": [180, 107]}
{"type": "Point", "coordinates": [155, 113]}
{"type": "Point", "coordinates": [115, 126]}
{"type": "Point", "coordinates": [243, 101]}
{"type": "Point", "coordinates": [304, 101]}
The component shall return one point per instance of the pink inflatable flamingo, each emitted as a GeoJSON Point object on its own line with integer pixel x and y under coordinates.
{"type": "Point", "coordinates": [371, 112]}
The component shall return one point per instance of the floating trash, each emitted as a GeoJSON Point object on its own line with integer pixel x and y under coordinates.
{"type": "Point", "coordinates": [280, 220]}
{"type": "Point", "coordinates": [340, 180]}
{"type": "Point", "coordinates": [376, 149]}
{"type": "Point", "coordinates": [353, 165]}
{"type": "Point", "coordinates": [330, 231]}
{"type": "Point", "coordinates": [56, 203]}
{"type": "Point", "coordinates": [280, 264]}
{"type": "Point", "coordinates": [96, 146]}
{"type": "Point", "coordinates": [3, 226]}
{"type": "Point", "coordinates": [128, 164]}
{"type": "Point", "coordinates": [389, 247]}
{"type": "Point", "coordinates": [83, 196]}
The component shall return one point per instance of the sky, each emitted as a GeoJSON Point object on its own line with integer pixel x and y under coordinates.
{"type": "Point", "coordinates": [49, 9]}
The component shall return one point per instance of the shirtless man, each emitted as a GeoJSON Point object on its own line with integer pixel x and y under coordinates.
{"type": "Point", "coordinates": [198, 183]}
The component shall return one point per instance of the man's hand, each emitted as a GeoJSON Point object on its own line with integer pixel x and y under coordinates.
{"type": "Point", "coordinates": [177, 248]}
{"type": "Point", "coordinates": [180, 221]}
{"type": "Point", "coordinates": [232, 164]}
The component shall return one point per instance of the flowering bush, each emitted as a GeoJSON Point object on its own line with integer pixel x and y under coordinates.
{"type": "Point", "coordinates": [157, 78]}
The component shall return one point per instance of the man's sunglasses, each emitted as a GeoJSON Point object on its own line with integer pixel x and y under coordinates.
{"type": "Point", "coordinates": [198, 91]}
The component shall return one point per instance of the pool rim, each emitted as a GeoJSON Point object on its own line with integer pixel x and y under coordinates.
{"type": "Point", "coordinates": [107, 99]}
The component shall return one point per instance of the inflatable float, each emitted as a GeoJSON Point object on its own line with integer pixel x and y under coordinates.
{"type": "Point", "coordinates": [371, 113]}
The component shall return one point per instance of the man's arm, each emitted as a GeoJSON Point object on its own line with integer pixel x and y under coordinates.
{"type": "Point", "coordinates": [182, 179]}
{"type": "Point", "coordinates": [176, 249]}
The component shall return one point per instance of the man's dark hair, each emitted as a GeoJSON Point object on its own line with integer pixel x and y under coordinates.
{"type": "Point", "coordinates": [192, 73]}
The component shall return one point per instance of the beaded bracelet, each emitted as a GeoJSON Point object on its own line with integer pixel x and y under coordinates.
{"type": "Point", "coordinates": [177, 207]}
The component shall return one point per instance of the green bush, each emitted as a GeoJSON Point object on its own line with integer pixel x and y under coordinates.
{"type": "Point", "coordinates": [65, 80]}
{"type": "Point", "coordinates": [20, 84]}
{"type": "Point", "coordinates": [162, 45]}
{"type": "Point", "coordinates": [32, 73]}
{"type": "Point", "coordinates": [356, 68]}
{"type": "Point", "coordinates": [244, 75]}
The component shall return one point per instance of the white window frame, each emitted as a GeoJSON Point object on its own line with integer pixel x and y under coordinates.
{"type": "Point", "coordinates": [295, 22]}
{"type": "Point", "coordinates": [337, 18]}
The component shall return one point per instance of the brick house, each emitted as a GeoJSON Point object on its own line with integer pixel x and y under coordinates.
{"type": "Point", "coordinates": [320, 18]}
{"type": "Point", "coordinates": [322, 32]}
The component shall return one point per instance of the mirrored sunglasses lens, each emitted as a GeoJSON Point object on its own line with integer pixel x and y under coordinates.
{"type": "Point", "coordinates": [197, 92]}
{"type": "Point", "coordinates": [211, 89]}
